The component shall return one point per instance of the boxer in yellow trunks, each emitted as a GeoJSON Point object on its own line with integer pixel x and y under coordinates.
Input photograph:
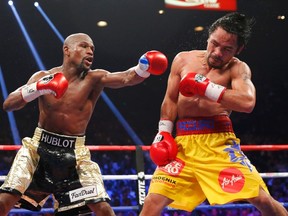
{"type": "Point", "coordinates": [55, 160]}
{"type": "Point", "coordinates": [205, 160]}
{"type": "Point", "coordinates": [213, 162]}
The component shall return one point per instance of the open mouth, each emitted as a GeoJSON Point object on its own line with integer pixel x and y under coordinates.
{"type": "Point", "coordinates": [89, 60]}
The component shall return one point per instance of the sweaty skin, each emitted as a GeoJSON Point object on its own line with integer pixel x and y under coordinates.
{"type": "Point", "coordinates": [219, 65]}
{"type": "Point", "coordinates": [71, 114]}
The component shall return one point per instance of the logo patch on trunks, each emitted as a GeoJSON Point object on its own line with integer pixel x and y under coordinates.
{"type": "Point", "coordinates": [59, 141]}
{"type": "Point", "coordinates": [164, 180]}
{"type": "Point", "coordinates": [231, 180]}
{"type": "Point", "coordinates": [82, 193]}
{"type": "Point", "coordinates": [174, 168]}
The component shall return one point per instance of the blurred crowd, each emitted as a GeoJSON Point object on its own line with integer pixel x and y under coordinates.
{"type": "Point", "coordinates": [124, 192]}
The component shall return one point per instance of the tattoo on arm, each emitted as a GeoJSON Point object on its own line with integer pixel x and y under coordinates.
{"type": "Point", "coordinates": [245, 75]}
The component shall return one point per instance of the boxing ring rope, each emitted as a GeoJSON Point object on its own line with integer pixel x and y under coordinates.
{"type": "Point", "coordinates": [270, 147]}
{"type": "Point", "coordinates": [148, 177]}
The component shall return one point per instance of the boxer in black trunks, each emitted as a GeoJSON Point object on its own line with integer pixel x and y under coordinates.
{"type": "Point", "coordinates": [55, 160]}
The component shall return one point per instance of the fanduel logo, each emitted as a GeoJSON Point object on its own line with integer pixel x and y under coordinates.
{"type": "Point", "coordinates": [82, 193]}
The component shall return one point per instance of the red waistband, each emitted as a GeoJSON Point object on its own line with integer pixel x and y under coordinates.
{"type": "Point", "coordinates": [204, 125]}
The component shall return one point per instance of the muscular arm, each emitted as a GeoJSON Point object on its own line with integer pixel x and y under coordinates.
{"type": "Point", "coordinates": [169, 104]}
{"type": "Point", "coordinates": [152, 62]}
{"type": "Point", "coordinates": [15, 101]}
{"type": "Point", "coordinates": [242, 95]}
{"type": "Point", "coordinates": [121, 79]}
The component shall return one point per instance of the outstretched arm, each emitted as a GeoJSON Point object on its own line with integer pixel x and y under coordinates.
{"type": "Point", "coordinates": [152, 62]}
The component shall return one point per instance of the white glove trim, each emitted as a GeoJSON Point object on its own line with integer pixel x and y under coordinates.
{"type": "Point", "coordinates": [30, 92]}
{"type": "Point", "coordinates": [141, 72]}
{"type": "Point", "coordinates": [214, 91]}
{"type": "Point", "coordinates": [165, 125]}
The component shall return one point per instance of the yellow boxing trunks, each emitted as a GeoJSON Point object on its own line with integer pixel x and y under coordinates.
{"type": "Point", "coordinates": [209, 164]}
{"type": "Point", "coordinates": [50, 163]}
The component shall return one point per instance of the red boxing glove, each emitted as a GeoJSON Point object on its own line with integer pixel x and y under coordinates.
{"type": "Point", "coordinates": [164, 149]}
{"type": "Point", "coordinates": [55, 84]}
{"type": "Point", "coordinates": [197, 84]}
{"type": "Point", "coordinates": [152, 62]}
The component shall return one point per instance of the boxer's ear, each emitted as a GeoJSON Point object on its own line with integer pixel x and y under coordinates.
{"type": "Point", "coordinates": [66, 50]}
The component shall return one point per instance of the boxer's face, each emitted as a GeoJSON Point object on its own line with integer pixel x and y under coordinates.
{"type": "Point", "coordinates": [81, 52]}
{"type": "Point", "coordinates": [85, 50]}
{"type": "Point", "coordinates": [221, 48]}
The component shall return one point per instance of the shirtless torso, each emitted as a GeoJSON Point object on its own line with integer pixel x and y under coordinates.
{"type": "Point", "coordinates": [62, 121]}
{"type": "Point", "coordinates": [197, 106]}
{"type": "Point", "coordinates": [71, 114]}
{"type": "Point", "coordinates": [203, 132]}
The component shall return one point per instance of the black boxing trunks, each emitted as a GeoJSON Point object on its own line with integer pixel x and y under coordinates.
{"type": "Point", "coordinates": [50, 163]}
